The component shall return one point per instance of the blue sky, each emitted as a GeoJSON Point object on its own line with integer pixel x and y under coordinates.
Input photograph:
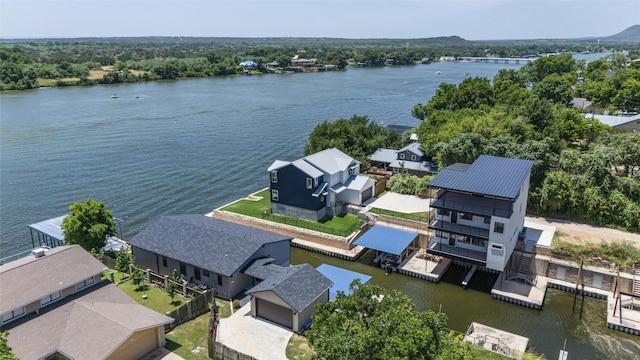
{"type": "Point", "coordinates": [469, 19]}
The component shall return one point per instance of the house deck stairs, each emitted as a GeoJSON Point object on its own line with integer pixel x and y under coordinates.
{"type": "Point", "coordinates": [636, 281]}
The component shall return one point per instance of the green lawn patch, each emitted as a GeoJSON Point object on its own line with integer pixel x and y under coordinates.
{"type": "Point", "coordinates": [260, 207]}
{"type": "Point", "coordinates": [224, 308]}
{"type": "Point", "coordinates": [189, 338]}
{"type": "Point", "coordinates": [299, 348]}
{"type": "Point", "coordinates": [156, 298]}
{"type": "Point", "coordinates": [419, 216]}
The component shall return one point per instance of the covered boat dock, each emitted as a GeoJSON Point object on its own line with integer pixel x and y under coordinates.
{"type": "Point", "coordinates": [341, 278]}
{"type": "Point", "coordinates": [391, 245]}
{"type": "Point", "coordinates": [49, 233]}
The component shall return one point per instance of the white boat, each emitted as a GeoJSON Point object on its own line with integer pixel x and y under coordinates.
{"type": "Point", "coordinates": [438, 72]}
{"type": "Point", "coordinates": [115, 96]}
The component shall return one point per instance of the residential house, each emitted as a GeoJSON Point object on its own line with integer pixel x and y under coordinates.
{"type": "Point", "coordinates": [249, 65]}
{"type": "Point", "coordinates": [318, 186]}
{"type": "Point", "coordinates": [55, 306]}
{"type": "Point", "coordinates": [629, 123]}
{"type": "Point", "coordinates": [287, 295]}
{"type": "Point", "coordinates": [207, 251]}
{"type": "Point", "coordinates": [480, 210]}
{"type": "Point", "coordinates": [411, 159]}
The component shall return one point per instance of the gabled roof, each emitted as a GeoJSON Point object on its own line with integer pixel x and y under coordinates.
{"type": "Point", "coordinates": [263, 268]}
{"type": "Point", "coordinates": [331, 161]}
{"type": "Point", "coordinates": [89, 325]}
{"type": "Point", "coordinates": [304, 166]}
{"type": "Point", "coordinates": [29, 279]}
{"type": "Point", "coordinates": [414, 148]}
{"type": "Point", "coordinates": [357, 182]}
{"type": "Point", "coordinates": [383, 155]}
{"type": "Point", "coordinates": [211, 244]}
{"type": "Point", "coordinates": [299, 285]}
{"type": "Point", "coordinates": [488, 175]}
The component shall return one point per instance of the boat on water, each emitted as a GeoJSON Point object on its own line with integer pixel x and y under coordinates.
{"type": "Point", "coordinates": [438, 72]}
{"type": "Point", "coordinates": [115, 96]}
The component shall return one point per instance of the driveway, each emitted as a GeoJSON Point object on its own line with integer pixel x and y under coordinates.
{"type": "Point", "coordinates": [407, 204]}
{"type": "Point", "coordinates": [254, 336]}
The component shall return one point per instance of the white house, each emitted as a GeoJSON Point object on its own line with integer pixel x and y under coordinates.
{"type": "Point", "coordinates": [480, 210]}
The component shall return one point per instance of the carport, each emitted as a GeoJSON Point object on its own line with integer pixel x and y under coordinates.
{"type": "Point", "coordinates": [387, 241]}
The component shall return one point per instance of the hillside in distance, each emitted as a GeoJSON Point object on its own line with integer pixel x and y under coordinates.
{"type": "Point", "coordinates": [629, 35]}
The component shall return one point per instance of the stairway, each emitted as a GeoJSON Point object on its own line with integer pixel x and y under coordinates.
{"type": "Point", "coordinates": [636, 281]}
{"type": "Point", "coordinates": [530, 246]}
{"type": "Point", "coordinates": [525, 265]}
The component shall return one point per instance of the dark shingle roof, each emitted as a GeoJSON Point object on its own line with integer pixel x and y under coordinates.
{"type": "Point", "coordinates": [212, 244]}
{"type": "Point", "coordinates": [263, 268]}
{"type": "Point", "coordinates": [488, 175]}
{"type": "Point", "coordinates": [297, 285]}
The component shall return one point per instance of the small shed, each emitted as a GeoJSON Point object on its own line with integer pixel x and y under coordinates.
{"type": "Point", "coordinates": [288, 297]}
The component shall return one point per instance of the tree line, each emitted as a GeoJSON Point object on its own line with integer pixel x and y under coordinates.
{"type": "Point", "coordinates": [583, 170]}
{"type": "Point", "coordinates": [28, 64]}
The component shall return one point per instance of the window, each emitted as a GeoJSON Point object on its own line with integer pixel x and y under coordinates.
{"type": "Point", "coordinates": [51, 298]}
{"type": "Point", "coordinates": [219, 280]}
{"type": "Point", "coordinates": [443, 212]}
{"type": "Point", "coordinates": [164, 261]}
{"type": "Point", "coordinates": [309, 182]}
{"type": "Point", "coordinates": [487, 219]}
{"type": "Point", "coordinates": [498, 227]}
{"type": "Point", "coordinates": [196, 273]}
{"type": "Point", "coordinates": [401, 156]}
{"type": "Point", "coordinates": [83, 284]}
{"type": "Point", "coordinates": [274, 177]}
{"type": "Point", "coordinates": [183, 269]}
{"type": "Point", "coordinates": [10, 315]}
{"type": "Point", "coordinates": [352, 170]}
{"type": "Point", "coordinates": [496, 247]}
{"type": "Point", "coordinates": [205, 273]}
{"type": "Point", "coordinates": [274, 195]}
{"type": "Point", "coordinates": [315, 182]}
{"type": "Point", "coordinates": [413, 158]}
{"type": "Point", "coordinates": [466, 217]}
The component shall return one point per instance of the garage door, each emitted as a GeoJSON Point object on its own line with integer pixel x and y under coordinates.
{"type": "Point", "coordinates": [275, 313]}
{"type": "Point", "coordinates": [366, 195]}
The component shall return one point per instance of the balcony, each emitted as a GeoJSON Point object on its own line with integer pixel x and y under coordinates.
{"type": "Point", "coordinates": [459, 229]}
{"type": "Point", "coordinates": [472, 204]}
{"type": "Point", "coordinates": [466, 255]}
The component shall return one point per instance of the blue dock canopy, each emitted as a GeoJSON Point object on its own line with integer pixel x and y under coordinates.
{"type": "Point", "coordinates": [341, 278]}
{"type": "Point", "coordinates": [385, 239]}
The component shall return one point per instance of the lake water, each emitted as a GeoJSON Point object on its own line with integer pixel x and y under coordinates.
{"type": "Point", "coordinates": [190, 146]}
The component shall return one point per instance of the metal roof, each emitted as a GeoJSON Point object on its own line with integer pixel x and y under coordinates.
{"type": "Point", "coordinates": [613, 120]}
{"type": "Point", "coordinates": [341, 278]}
{"type": "Point", "coordinates": [330, 161]}
{"type": "Point", "coordinates": [383, 155]}
{"type": "Point", "coordinates": [386, 239]}
{"type": "Point", "coordinates": [488, 175]}
{"type": "Point", "coordinates": [51, 227]}
{"type": "Point", "coordinates": [415, 148]}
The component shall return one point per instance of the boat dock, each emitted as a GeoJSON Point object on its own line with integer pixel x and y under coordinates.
{"type": "Point", "coordinates": [425, 266]}
{"type": "Point", "coordinates": [496, 340]}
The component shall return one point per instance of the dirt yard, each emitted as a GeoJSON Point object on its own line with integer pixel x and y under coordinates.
{"type": "Point", "coordinates": [582, 233]}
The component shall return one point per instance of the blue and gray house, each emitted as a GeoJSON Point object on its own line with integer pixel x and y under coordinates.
{"type": "Point", "coordinates": [480, 210]}
{"type": "Point", "coordinates": [410, 158]}
{"type": "Point", "coordinates": [318, 186]}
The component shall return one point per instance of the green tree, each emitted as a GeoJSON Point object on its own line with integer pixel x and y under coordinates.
{"type": "Point", "coordinates": [5, 351]}
{"type": "Point", "coordinates": [88, 225]}
{"type": "Point", "coordinates": [172, 286]}
{"type": "Point", "coordinates": [379, 323]}
{"type": "Point", "coordinates": [124, 258]}
{"type": "Point", "coordinates": [138, 277]}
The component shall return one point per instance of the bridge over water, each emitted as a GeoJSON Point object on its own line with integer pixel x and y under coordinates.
{"type": "Point", "coordinates": [497, 60]}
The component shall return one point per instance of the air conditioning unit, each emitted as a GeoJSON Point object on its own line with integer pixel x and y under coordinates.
{"type": "Point", "coordinates": [38, 253]}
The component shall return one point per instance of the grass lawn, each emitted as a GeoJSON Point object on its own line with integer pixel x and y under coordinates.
{"type": "Point", "coordinates": [190, 336]}
{"type": "Point", "coordinates": [299, 348]}
{"type": "Point", "coordinates": [337, 225]}
{"type": "Point", "coordinates": [193, 334]}
{"type": "Point", "coordinates": [253, 208]}
{"type": "Point", "coordinates": [419, 216]}
{"type": "Point", "coordinates": [157, 298]}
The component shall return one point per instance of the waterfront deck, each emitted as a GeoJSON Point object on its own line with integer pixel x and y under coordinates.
{"type": "Point", "coordinates": [630, 322]}
{"type": "Point", "coordinates": [496, 340]}
{"type": "Point", "coordinates": [431, 269]}
{"type": "Point", "coordinates": [520, 292]}
{"type": "Point", "coordinates": [333, 251]}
